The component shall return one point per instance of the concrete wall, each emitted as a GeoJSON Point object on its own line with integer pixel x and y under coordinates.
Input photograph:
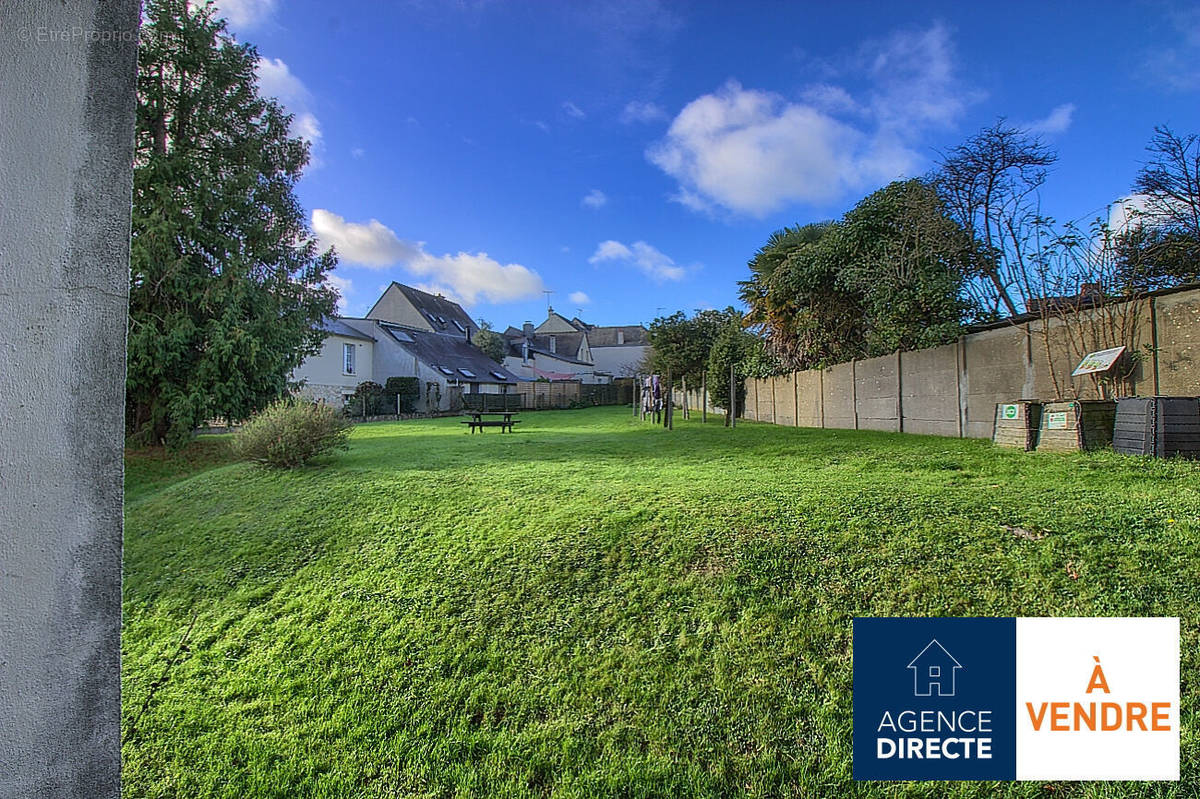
{"type": "Point", "coordinates": [1177, 318]}
{"type": "Point", "coordinates": [837, 397]}
{"type": "Point", "coordinates": [953, 390]}
{"type": "Point", "coordinates": [876, 387]}
{"type": "Point", "coordinates": [66, 149]}
{"type": "Point", "coordinates": [810, 411]}
{"type": "Point", "coordinates": [929, 391]}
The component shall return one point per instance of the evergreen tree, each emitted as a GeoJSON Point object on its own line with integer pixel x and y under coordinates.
{"type": "Point", "coordinates": [227, 282]}
{"type": "Point", "coordinates": [491, 343]}
{"type": "Point", "coordinates": [734, 347]}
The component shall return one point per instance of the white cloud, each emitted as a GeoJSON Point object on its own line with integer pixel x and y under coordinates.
{"type": "Point", "coordinates": [1057, 121]}
{"type": "Point", "coordinates": [343, 286]}
{"type": "Point", "coordinates": [754, 151]}
{"type": "Point", "coordinates": [276, 80]}
{"type": "Point", "coordinates": [1127, 212]}
{"type": "Point", "coordinates": [358, 152]}
{"type": "Point", "coordinates": [579, 298]}
{"type": "Point", "coordinates": [372, 244]}
{"type": "Point", "coordinates": [638, 111]}
{"type": "Point", "coordinates": [572, 110]}
{"type": "Point", "coordinates": [594, 199]}
{"type": "Point", "coordinates": [466, 277]}
{"type": "Point", "coordinates": [1174, 63]}
{"type": "Point", "coordinates": [650, 260]}
{"type": "Point", "coordinates": [240, 13]}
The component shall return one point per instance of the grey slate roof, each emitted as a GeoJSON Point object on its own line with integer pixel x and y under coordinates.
{"type": "Point", "coordinates": [635, 336]}
{"type": "Point", "coordinates": [566, 345]}
{"type": "Point", "coordinates": [339, 328]}
{"type": "Point", "coordinates": [450, 352]}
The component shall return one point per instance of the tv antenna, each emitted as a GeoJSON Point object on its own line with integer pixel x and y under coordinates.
{"type": "Point", "coordinates": [548, 292]}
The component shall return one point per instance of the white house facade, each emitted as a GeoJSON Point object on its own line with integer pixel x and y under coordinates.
{"type": "Point", "coordinates": [407, 333]}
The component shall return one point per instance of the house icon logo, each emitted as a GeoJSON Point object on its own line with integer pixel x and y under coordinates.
{"type": "Point", "coordinates": [934, 668]}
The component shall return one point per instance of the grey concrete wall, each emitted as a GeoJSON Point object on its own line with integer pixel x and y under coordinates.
{"type": "Point", "coordinates": [808, 398]}
{"type": "Point", "coordinates": [929, 390]}
{"type": "Point", "coordinates": [67, 80]}
{"type": "Point", "coordinates": [785, 400]}
{"type": "Point", "coordinates": [997, 370]}
{"type": "Point", "coordinates": [876, 390]}
{"type": "Point", "coordinates": [1178, 326]}
{"type": "Point", "coordinates": [838, 396]}
{"type": "Point", "coordinates": [953, 389]}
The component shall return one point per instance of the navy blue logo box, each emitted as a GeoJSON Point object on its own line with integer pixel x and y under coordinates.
{"type": "Point", "coordinates": [935, 680]}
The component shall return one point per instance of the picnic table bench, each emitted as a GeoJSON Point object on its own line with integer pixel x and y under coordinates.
{"type": "Point", "coordinates": [478, 422]}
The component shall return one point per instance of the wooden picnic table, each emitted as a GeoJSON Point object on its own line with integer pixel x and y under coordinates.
{"type": "Point", "coordinates": [478, 422]}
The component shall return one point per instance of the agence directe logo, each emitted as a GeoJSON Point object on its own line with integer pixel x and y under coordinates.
{"type": "Point", "coordinates": [1006, 698]}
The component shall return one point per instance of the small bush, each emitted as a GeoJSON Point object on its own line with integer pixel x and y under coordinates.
{"type": "Point", "coordinates": [288, 434]}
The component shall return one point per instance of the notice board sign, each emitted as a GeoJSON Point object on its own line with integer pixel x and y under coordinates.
{"type": "Point", "coordinates": [1100, 361]}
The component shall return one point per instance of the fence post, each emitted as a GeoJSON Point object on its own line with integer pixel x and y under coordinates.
{"type": "Point", "coordinates": [732, 396]}
{"type": "Point", "coordinates": [961, 368]}
{"type": "Point", "coordinates": [854, 389]}
{"type": "Point", "coordinates": [1154, 343]}
{"type": "Point", "coordinates": [821, 388]}
{"type": "Point", "coordinates": [704, 397]}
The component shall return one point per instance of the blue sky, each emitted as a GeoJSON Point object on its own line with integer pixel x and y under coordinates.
{"type": "Point", "coordinates": [631, 156]}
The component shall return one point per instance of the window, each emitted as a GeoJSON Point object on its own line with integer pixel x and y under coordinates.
{"type": "Point", "coordinates": [467, 373]}
{"type": "Point", "coordinates": [620, 337]}
{"type": "Point", "coordinates": [445, 371]}
{"type": "Point", "coordinates": [348, 359]}
{"type": "Point", "coordinates": [935, 671]}
{"type": "Point", "coordinates": [400, 335]}
{"type": "Point", "coordinates": [499, 377]}
{"type": "Point", "coordinates": [458, 324]}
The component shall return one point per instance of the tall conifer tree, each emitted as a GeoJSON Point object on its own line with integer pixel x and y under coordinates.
{"type": "Point", "coordinates": [227, 281]}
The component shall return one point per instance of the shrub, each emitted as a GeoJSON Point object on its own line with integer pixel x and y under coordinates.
{"type": "Point", "coordinates": [371, 395]}
{"type": "Point", "coordinates": [409, 390]}
{"type": "Point", "coordinates": [289, 433]}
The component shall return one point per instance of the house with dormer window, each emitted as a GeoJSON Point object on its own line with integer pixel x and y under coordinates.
{"type": "Point", "coordinates": [571, 349]}
{"type": "Point", "coordinates": [407, 333]}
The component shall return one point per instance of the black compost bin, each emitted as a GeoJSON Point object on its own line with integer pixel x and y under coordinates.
{"type": "Point", "coordinates": [1164, 427]}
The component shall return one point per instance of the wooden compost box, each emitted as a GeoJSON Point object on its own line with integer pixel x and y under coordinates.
{"type": "Point", "coordinates": [1017, 423]}
{"type": "Point", "coordinates": [1164, 427]}
{"type": "Point", "coordinates": [1077, 425]}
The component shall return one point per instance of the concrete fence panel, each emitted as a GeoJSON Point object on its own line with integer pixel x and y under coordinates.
{"type": "Point", "coordinates": [1177, 319]}
{"type": "Point", "coordinates": [997, 370]}
{"type": "Point", "coordinates": [785, 400]}
{"type": "Point", "coordinates": [929, 391]}
{"type": "Point", "coordinates": [877, 393]}
{"type": "Point", "coordinates": [808, 398]}
{"type": "Point", "coordinates": [838, 397]}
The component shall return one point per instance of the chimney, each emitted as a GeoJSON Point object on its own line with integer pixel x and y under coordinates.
{"type": "Point", "coordinates": [527, 329]}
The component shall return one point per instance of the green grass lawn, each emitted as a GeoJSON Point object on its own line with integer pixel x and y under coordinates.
{"type": "Point", "coordinates": [594, 606]}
